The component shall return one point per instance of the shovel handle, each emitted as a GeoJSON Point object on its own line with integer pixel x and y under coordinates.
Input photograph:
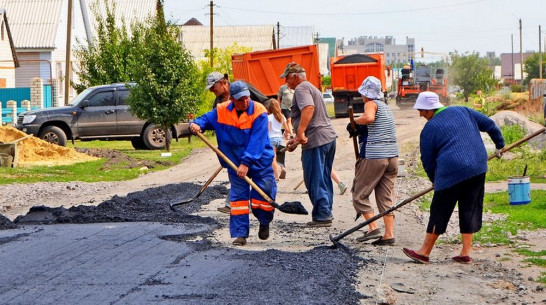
{"type": "Point", "coordinates": [519, 142]}
{"type": "Point", "coordinates": [234, 167]}
{"type": "Point", "coordinates": [353, 126]}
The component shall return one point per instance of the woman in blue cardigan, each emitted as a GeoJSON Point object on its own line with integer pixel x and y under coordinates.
{"type": "Point", "coordinates": [455, 160]}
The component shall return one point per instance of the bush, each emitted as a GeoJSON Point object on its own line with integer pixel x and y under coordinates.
{"type": "Point", "coordinates": [512, 133]}
{"type": "Point", "coordinates": [516, 88]}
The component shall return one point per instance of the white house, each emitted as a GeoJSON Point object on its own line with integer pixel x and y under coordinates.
{"type": "Point", "coordinates": [39, 30]}
{"type": "Point", "coordinates": [8, 57]}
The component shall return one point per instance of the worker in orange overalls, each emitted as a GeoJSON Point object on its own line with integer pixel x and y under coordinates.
{"type": "Point", "coordinates": [241, 127]}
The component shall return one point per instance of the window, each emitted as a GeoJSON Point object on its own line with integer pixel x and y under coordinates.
{"type": "Point", "coordinates": [105, 98]}
{"type": "Point", "coordinates": [122, 95]}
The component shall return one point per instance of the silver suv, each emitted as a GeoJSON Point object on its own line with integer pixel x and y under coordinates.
{"type": "Point", "coordinates": [98, 113]}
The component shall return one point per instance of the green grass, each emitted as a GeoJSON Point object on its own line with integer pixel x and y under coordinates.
{"type": "Point", "coordinates": [532, 213]}
{"type": "Point", "coordinates": [542, 278]}
{"type": "Point", "coordinates": [94, 171]}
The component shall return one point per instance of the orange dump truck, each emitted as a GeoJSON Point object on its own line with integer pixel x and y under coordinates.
{"type": "Point", "coordinates": [263, 68]}
{"type": "Point", "coordinates": [347, 73]}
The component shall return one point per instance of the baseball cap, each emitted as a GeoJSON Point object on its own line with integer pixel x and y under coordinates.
{"type": "Point", "coordinates": [427, 101]}
{"type": "Point", "coordinates": [238, 89]}
{"type": "Point", "coordinates": [292, 68]}
{"type": "Point", "coordinates": [371, 88]}
{"type": "Point", "coordinates": [212, 78]}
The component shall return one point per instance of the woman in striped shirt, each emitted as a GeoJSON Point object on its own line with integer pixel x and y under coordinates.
{"type": "Point", "coordinates": [377, 170]}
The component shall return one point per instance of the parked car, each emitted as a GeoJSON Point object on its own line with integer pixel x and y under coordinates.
{"type": "Point", "coordinates": [328, 97]}
{"type": "Point", "coordinates": [97, 113]}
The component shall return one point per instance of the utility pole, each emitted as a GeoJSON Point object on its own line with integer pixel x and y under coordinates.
{"type": "Point", "coordinates": [520, 53]}
{"type": "Point", "coordinates": [68, 50]}
{"type": "Point", "coordinates": [278, 35]}
{"type": "Point", "coordinates": [539, 54]}
{"type": "Point", "coordinates": [211, 35]}
{"type": "Point", "coordinates": [512, 69]}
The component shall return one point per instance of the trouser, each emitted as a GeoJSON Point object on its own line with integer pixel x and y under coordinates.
{"type": "Point", "coordinates": [374, 174]}
{"type": "Point", "coordinates": [317, 168]}
{"type": "Point", "coordinates": [240, 193]}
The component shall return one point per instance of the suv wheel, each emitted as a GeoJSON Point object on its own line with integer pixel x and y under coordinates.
{"type": "Point", "coordinates": [137, 143]}
{"type": "Point", "coordinates": [153, 137]}
{"type": "Point", "coordinates": [53, 134]}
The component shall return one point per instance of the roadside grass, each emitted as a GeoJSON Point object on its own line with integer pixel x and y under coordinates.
{"type": "Point", "coordinates": [94, 171]}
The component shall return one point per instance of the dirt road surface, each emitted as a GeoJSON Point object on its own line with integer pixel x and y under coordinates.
{"type": "Point", "coordinates": [300, 267]}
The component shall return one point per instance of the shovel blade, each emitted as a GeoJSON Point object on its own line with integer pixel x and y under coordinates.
{"type": "Point", "coordinates": [292, 207]}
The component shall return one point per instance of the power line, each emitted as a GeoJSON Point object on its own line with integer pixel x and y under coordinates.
{"type": "Point", "coordinates": [355, 13]}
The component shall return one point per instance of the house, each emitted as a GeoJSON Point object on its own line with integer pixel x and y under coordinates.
{"type": "Point", "coordinates": [511, 67]}
{"type": "Point", "coordinates": [39, 31]}
{"type": "Point", "coordinates": [196, 38]}
{"type": "Point", "coordinates": [8, 56]}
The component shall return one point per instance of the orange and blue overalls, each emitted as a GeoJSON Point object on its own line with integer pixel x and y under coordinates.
{"type": "Point", "coordinates": [244, 140]}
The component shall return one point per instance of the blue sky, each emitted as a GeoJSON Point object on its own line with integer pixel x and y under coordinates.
{"type": "Point", "coordinates": [439, 26]}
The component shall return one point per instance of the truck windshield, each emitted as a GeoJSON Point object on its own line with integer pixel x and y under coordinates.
{"type": "Point", "coordinates": [80, 97]}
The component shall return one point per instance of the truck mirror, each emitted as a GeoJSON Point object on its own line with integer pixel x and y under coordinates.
{"type": "Point", "coordinates": [84, 104]}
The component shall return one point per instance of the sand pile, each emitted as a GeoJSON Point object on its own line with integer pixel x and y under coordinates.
{"type": "Point", "coordinates": [34, 151]}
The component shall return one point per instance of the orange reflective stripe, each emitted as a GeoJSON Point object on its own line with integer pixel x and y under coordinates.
{"type": "Point", "coordinates": [230, 118]}
{"type": "Point", "coordinates": [259, 204]}
{"type": "Point", "coordinates": [239, 207]}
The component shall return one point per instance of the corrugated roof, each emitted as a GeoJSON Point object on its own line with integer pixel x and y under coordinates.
{"type": "Point", "coordinates": [33, 23]}
{"type": "Point", "coordinates": [196, 39]}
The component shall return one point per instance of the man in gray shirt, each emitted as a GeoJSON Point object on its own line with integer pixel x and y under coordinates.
{"type": "Point", "coordinates": [315, 133]}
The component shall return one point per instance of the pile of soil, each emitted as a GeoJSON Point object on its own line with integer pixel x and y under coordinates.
{"type": "Point", "coordinates": [34, 151]}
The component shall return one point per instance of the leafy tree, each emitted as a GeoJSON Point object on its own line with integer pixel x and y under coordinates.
{"type": "Point", "coordinates": [168, 84]}
{"type": "Point", "coordinates": [531, 67]}
{"type": "Point", "coordinates": [471, 73]}
{"type": "Point", "coordinates": [106, 59]}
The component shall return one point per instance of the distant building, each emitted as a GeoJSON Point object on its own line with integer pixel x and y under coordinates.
{"type": "Point", "coordinates": [511, 67]}
{"type": "Point", "coordinates": [8, 56]}
{"type": "Point", "coordinates": [394, 54]}
{"type": "Point", "coordinates": [196, 38]}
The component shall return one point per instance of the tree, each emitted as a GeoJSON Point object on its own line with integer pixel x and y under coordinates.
{"type": "Point", "coordinates": [471, 73]}
{"type": "Point", "coordinates": [167, 80]}
{"type": "Point", "coordinates": [105, 60]}
{"type": "Point", "coordinates": [531, 67]}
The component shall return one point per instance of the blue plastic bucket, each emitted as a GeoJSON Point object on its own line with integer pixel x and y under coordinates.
{"type": "Point", "coordinates": [519, 190]}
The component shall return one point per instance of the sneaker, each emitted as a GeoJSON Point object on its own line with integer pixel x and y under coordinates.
{"type": "Point", "coordinates": [320, 223]}
{"type": "Point", "coordinates": [283, 173]}
{"type": "Point", "coordinates": [369, 235]}
{"type": "Point", "coordinates": [342, 188]}
{"type": "Point", "coordinates": [263, 233]}
{"type": "Point", "coordinates": [225, 209]}
{"type": "Point", "coordinates": [239, 241]}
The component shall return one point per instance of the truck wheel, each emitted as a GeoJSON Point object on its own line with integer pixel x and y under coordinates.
{"type": "Point", "coordinates": [53, 134]}
{"type": "Point", "coordinates": [138, 144]}
{"type": "Point", "coordinates": [153, 137]}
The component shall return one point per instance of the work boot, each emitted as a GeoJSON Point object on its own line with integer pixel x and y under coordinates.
{"type": "Point", "coordinates": [263, 233]}
{"type": "Point", "coordinates": [239, 241]}
{"type": "Point", "coordinates": [283, 173]}
{"type": "Point", "coordinates": [224, 209]}
{"type": "Point", "coordinates": [342, 188]}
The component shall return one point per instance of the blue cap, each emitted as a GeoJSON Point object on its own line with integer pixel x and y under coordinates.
{"type": "Point", "coordinates": [238, 89]}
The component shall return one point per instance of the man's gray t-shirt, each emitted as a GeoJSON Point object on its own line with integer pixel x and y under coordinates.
{"type": "Point", "coordinates": [319, 130]}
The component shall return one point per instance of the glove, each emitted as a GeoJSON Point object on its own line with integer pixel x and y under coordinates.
{"type": "Point", "coordinates": [498, 153]}
{"type": "Point", "coordinates": [352, 132]}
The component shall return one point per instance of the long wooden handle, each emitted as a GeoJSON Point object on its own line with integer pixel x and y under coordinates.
{"type": "Point", "coordinates": [232, 165]}
{"type": "Point", "coordinates": [353, 126]}
{"type": "Point", "coordinates": [519, 142]}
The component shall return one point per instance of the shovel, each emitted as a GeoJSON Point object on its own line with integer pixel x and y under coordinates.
{"type": "Point", "coordinates": [293, 207]}
{"type": "Point", "coordinates": [172, 205]}
{"type": "Point", "coordinates": [335, 239]}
